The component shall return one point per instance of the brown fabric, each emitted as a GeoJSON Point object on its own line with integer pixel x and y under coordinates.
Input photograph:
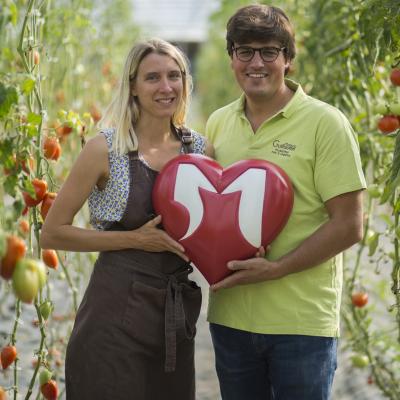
{"type": "Point", "coordinates": [133, 336]}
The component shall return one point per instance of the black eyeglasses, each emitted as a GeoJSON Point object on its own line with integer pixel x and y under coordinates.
{"type": "Point", "coordinates": [267, 54]}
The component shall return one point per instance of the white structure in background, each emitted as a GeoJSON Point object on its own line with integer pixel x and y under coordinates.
{"type": "Point", "coordinates": [183, 22]}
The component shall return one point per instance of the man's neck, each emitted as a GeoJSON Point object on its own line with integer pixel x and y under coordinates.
{"type": "Point", "coordinates": [259, 109]}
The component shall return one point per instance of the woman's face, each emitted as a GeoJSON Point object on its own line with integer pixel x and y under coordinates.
{"type": "Point", "coordinates": [158, 86]}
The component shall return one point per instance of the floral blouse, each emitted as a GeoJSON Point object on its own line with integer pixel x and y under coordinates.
{"type": "Point", "coordinates": [108, 205]}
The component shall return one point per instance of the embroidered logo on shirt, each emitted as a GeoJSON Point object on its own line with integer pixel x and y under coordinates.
{"type": "Point", "coordinates": [283, 149]}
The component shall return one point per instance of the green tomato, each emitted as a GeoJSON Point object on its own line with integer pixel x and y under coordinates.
{"type": "Point", "coordinates": [46, 309]}
{"type": "Point", "coordinates": [45, 376]}
{"type": "Point", "coordinates": [26, 280]}
{"type": "Point", "coordinates": [360, 360]}
{"type": "Point", "coordinates": [395, 108]}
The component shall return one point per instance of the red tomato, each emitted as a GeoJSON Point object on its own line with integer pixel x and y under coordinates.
{"type": "Point", "coordinates": [23, 226]}
{"type": "Point", "coordinates": [63, 130]}
{"type": "Point", "coordinates": [49, 390]}
{"type": "Point", "coordinates": [40, 187]}
{"type": "Point", "coordinates": [16, 249]}
{"type": "Point", "coordinates": [51, 148]}
{"type": "Point", "coordinates": [388, 124]}
{"type": "Point", "coordinates": [8, 356]}
{"type": "Point", "coordinates": [395, 76]}
{"type": "Point", "coordinates": [50, 258]}
{"type": "Point", "coordinates": [47, 203]}
{"type": "Point", "coordinates": [359, 299]}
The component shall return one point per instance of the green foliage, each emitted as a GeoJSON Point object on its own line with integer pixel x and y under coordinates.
{"type": "Point", "coordinates": [8, 97]}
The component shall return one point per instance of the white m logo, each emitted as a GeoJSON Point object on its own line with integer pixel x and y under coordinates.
{"type": "Point", "coordinates": [251, 184]}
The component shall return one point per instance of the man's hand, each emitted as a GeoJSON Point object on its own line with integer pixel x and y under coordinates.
{"type": "Point", "coordinates": [342, 230]}
{"type": "Point", "coordinates": [253, 270]}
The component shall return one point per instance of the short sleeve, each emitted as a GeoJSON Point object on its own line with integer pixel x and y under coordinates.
{"type": "Point", "coordinates": [338, 167]}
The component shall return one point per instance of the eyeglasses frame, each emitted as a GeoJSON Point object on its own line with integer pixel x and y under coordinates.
{"type": "Point", "coordinates": [254, 49]}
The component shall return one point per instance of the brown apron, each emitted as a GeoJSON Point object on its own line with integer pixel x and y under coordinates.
{"type": "Point", "coordinates": [133, 337]}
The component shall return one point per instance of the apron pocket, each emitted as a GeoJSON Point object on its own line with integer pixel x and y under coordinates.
{"type": "Point", "coordinates": [191, 295]}
{"type": "Point", "coordinates": [144, 314]}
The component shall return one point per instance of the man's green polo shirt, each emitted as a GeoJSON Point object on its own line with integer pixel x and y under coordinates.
{"type": "Point", "coordinates": [316, 146]}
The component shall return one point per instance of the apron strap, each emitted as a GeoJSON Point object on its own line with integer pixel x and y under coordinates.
{"type": "Point", "coordinates": [187, 140]}
{"type": "Point", "coordinates": [175, 321]}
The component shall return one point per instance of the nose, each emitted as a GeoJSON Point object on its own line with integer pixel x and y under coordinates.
{"type": "Point", "coordinates": [257, 61]}
{"type": "Point", "coordinates": [165, 84]}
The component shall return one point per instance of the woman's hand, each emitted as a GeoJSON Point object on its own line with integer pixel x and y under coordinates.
{"type": "Point", "coordinates": [150, 238]}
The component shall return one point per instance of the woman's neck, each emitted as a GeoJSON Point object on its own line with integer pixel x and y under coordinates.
{"type": "Point", "coordinates": [153, 131]}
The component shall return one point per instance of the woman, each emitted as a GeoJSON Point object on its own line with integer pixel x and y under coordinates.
{"type": "Point", "coordinates": [133, 337]}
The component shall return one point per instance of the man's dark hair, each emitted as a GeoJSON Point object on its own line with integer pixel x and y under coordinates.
{"type": "Point", "coordinates": [260, 23]}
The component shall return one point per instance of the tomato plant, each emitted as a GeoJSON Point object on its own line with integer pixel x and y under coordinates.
{"type": "Point", "coordinates": [50, 71]}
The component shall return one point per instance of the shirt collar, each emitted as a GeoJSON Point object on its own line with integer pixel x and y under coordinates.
{"type": "Point", "coordinates": [289, 108]}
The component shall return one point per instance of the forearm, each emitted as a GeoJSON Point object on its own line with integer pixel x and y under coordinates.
{"type": "Point", "coordinates": [72, 238]}
{"type": "Point", "coordinates": [329, 240]}
{"type": "Point", "coordinates": [148, 237]}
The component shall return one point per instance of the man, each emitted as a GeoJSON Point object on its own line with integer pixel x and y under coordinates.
{"type": "Point", "coordinates": [275, 320]}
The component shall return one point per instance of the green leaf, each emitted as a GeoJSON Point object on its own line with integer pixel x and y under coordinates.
{"type": "Point", "coordinates": [34, 119]}
{"type": "Point", "coordinates": [8, 97]}
{"type": "Point", "coordinates": [31, 131]}
{"type": "Point", "coordinates": [10, 184]}
{"type": "Point", "coordinates": [28, 85]}
{"type": "Point", "coordinates": [386, 218]}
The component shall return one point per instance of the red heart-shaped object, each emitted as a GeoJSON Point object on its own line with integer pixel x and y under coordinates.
{"type": "Point", "coordinates": [219, 215]}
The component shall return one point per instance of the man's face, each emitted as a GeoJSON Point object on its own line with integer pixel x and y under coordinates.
{"type": "Point", "coordinates": [259, 79]}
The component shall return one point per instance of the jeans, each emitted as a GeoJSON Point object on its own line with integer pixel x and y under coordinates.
{"type": "Point", "coordinates": [253, 366]}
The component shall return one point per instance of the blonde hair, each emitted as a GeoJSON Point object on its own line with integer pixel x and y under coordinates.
{"type": "Point", "coordinates": [124, 111]}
